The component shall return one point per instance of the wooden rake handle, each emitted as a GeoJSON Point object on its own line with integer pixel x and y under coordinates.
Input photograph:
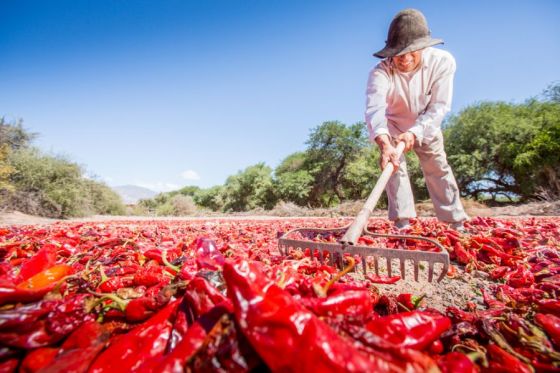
{"type": "Point", "coordinates": [357, 227]}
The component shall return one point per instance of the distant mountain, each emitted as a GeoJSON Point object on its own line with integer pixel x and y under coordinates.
{"type": "Point", "coordinates": [131, 194]}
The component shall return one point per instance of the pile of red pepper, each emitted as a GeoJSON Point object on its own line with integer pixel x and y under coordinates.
{"type": "Point", "coordinates": [216, 296]}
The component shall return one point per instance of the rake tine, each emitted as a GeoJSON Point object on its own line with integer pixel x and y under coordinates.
{"type": "Point", "coordinates": [431, 272]}
{"type": "Point", "coordinates": [321, 256]}
{"type": "Point", "coordinates": [376, 265]}
{"type": "Point", "coordinates": [416, 269]}
{"type": "Point", "coordinates": [389, 267]}
{"type": "Point", "coordinates": [403, 272]}
{"type": "Point", "coordinates": [364, 265]}
{"type": "Point", "coordinates": [443, 273]}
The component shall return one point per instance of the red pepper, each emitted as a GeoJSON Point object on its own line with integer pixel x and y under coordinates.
{"type": "Point", "coordinates": [408, 301]}
{"type": "Point", "coordinates": [140, 309]}
{"type": "Point", "coordinates": [43, 259]}
{"type": "Point", "coordinates": [146, 341]}
{"type": "Point", "coordinates": [199, 300]}
{"type": "Point", "coordinates": [202, 296]}
{"type": "Point", "coordinates": [456, 362]}
{"type": "Point", "coordinates": [63, 317]}
{"type": "Point", "coordinates": [521, 277]}
{"type": "Point", "coordinates": [387, 305]}
{"type": "Point", "coordinates": [150, 277]}
{"type": "Point", "coordinates": [541, 367]}
{"type": "Point", "coordinates": [36, 336]}
{"type": "Point", "coordinates": [352, 304]}
{"type": "Point", "coordinates": [38, 359]}
{"type": "Point", "coordinates": [20, 317]}
{"type": "Point", "coordinates": [377, 279]}
{"type": "Point", "coordinates": [47, 278]}
{"type": "Point", "coordinates": [157, 254]}
{"type": "Point", "coordinates": [462, 255]}
{"type": "Point", "coordinates": [499, 272]}
{"type": "Point", "coordinates": [549, 306]}
{"type": "Point", "coordinates": [287, 336]}
{"type": "Point", "coordinates": [436, 347]}
{"type": "Point", "coordinates": [414, 329]}
{"type": "Point", "coordinates": [500, 360]}
{"type": "Point", "coordinates": [551, 325]}
{"type": "Point", "coordinates": [80, 349]}
{"type": "Point", "coordinates": [9, 365]}
{"type": "Point", "coordinates": [207, 254]}
{"type": "Point", "coordinates": [190, 344]}
{"type": "Point", "coordinates": [112, 284]}
{"type": "Point", "coordinates": [123, 269]}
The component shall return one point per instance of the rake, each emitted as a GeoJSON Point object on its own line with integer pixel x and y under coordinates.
{"type": "Point", "coordinates": [305, 238]}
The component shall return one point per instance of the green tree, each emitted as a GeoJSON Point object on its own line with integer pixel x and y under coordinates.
{"type": "Point", "coordinates": [537, 161]}
{"type": "Point", "coordinates": [250, 188]}
{"type": "Point", "coordinates": [102, 199]}
{"type": "Point", "coordinates": [552, 92]}
{"type": "Point", "coordinates": [189, 190]}
{"type": "Point", "coordinates": [361, 174]}
{"type": "Point", "coordinates": [211, 198]}
{"type": "Point", "coordinates": [5, 169]}
{"type": "Point", "coordinates": [14, 135]}
{"type": "Point", "coordinates": [332, 146]}
{"type": "Point", "coordinates": [293, 181]}
{"type": "Point", "coordinates": [501, 149]}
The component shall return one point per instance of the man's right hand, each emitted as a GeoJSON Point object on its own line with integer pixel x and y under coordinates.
{"type": "Point", "coordinates": [388, 152]}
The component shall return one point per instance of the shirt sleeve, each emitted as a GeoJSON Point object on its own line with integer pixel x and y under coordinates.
{"type": "Point", "coordinates": [440, 101]}
{"type": "Point", "coordinates": [376, 103]}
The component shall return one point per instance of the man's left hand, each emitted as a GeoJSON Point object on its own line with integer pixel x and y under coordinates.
{"type": "Point", "coordinates": [408, 138]}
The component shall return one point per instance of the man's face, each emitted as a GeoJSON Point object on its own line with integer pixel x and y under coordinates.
{"type": "Point", "coordinates": [408, 62]}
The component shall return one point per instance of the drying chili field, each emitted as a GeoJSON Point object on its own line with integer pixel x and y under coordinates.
{"type": "Point", "coordinates": [215, 296]}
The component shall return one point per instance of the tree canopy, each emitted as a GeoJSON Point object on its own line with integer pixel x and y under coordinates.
{"type": "Point", "coordinates": [504, 149]}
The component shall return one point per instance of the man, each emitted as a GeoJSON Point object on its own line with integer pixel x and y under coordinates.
{"type": "Point", "coordinates": [408, 94]}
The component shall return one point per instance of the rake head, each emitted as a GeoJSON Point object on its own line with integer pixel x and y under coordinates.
{"type": "Point", "coordinates": [370, 257]}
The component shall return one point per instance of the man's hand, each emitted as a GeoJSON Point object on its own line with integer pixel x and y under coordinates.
{"type": "Point", "coordinates": [388, 152]}
{"type": "Point", "coordinates": [408, 138]}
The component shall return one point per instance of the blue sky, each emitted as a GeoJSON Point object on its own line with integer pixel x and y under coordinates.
{"type": "Point", "coordinates": [165, 93]}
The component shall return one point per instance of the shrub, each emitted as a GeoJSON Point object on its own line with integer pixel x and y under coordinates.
{"type": "Point", "coordinates": [53, 186]}
{"type": "Point", "coordinates": [183, 205]}
{"type": "Point", "coordinates": [104, 200]}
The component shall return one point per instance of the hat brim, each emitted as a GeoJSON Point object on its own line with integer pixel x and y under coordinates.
{"type": "Point", "coordinates": [416, 45]}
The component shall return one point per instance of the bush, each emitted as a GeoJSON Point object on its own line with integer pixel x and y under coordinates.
{"type": "Point", "coordinates": [211, 198]}
{"type": "Point", "coordinates": [5, 169]}
{"type": "Point", "coordinates": [178, 205]}
{"type": "Point", "coordinates": [104, 200]}
{"type": "Point", "coordinates": [54, 187]}
{"type": "Point", "coordinates": [183, 205]}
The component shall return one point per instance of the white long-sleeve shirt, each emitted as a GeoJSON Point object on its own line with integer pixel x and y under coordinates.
{"type": "Point", "coordinates": [416, 102]}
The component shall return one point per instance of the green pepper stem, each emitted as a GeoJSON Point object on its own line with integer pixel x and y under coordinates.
{"type": "Point", "coordinates": [166, 262]}
{"type": "Point", "coordinates": [121, 303]}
